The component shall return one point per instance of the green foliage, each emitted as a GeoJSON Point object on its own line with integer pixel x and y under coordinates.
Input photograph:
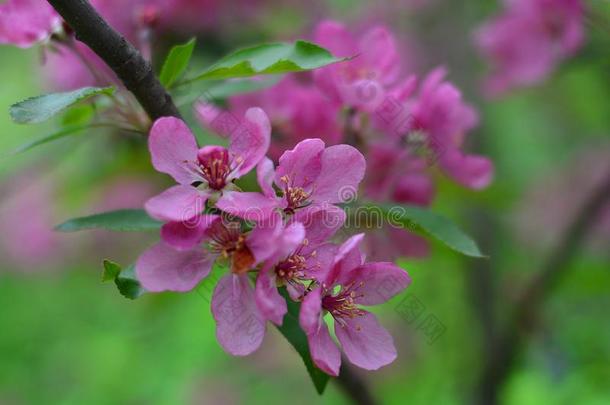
{"type": "Point", "coordinates": [125, 280]}
{"type": "Point", "coordinates": [176, 63]}
{"type": "Point", "coordinates": [425, 221]}
{"type": "Point", "coordinates": [294, 334]}
{"type": "Point", "coordinates": [128, 220]}
{"type": "Point", "coordinates": [41, 108]}
{"type": "Point", "coordinates": [277, 58]}
{"type": "Point", "coordinates": [111, 270]}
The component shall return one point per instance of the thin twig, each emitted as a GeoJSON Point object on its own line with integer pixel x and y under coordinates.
{"type": "Point", "coordinates": [121, 56]}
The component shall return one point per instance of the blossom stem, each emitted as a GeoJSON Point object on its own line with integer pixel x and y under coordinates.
{"type": "Point", "coordinates": [528, 307]}
{"type": "Point", "coordinates": [121, 56]}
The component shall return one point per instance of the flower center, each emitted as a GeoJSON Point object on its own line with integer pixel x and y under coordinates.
{"type": "Point", "coordinates": [215, 166]}
{"type": "Point", "coordinates": [343, 304]}
{"type": "Point", "coordinates": [296, 197]}
{"type": "Point", "coordinates": [230, 243]}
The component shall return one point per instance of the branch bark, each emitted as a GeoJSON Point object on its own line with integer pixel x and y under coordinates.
{"type": "Point", "coordinates": [529, 305]}
{"type": "Point", "coordinates": [122, 57]}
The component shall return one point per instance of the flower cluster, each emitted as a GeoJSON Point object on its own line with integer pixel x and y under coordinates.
{"type": "Point", "coordinates": [404, 127]}
{"type": "Point", "coordinates": [528, 39]}
{"type": "Point", "coordinates": [274, 241]}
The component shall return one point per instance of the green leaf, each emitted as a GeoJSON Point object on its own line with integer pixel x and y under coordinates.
{"type": "Point", "coordinates": [176, 63]}
{"type": "Point", "coordinates": [111, 270]}
{"type": "Point", "coordinates": [41, 108]}
{"type": "Point", "coordinates": [120, 220]}
{"type": "Point", "coordinates": [230, 88]}
{"type": "Point", "coordinates": [49, 138]}
{"type": "Point", "coordinates": [78, 115]}
{"type": "Point", "coordinates": [424, 221]}
{"type": "Point", "coordinates": [128, 284]}
{"type": "Point", "coordinates": [294, 334]}
{"type": "Point", "coordinates": [275, 58]}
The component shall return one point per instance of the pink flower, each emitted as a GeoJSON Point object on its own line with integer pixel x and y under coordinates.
{"type": "Point", "coordinates": [203, 172]}
{"type": "Point", "coordinates": [362, 81]}
{"type": "Point", "coordinates": [23, 23]}
{"type": "Point", "coordinates": [296, 111]}
{"type": "Point", "coordinates": [240, 324]}
{"type": "Point", "coordinates": [528, 39]}
{"type": "Point", "coordinates": [350, 284]}
{"type": "Point", "coordinates": [439, 122]}
{"type": "Point", "coordinates": [310, 260]}
{"type": "Point", "coordinates": [308, 175]}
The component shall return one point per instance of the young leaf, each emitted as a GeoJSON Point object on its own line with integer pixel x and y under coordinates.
{"type": "Point", "coordinates": [111, 270]}
{"type": "Point", "coordinates": [128, 284]}
{"type": "Point", "coordinates": [275, 58]}
{"type": "Point", "coordinates": [230, 88]}
{"type": "Point", "coordinates": [294, 334]}
{"type": "Point", "coordinates": [41, 108]}
{"type": "Point", "coordinates": [424, 221]}
{"type": "Point", "coordinates": [125, 280]}
{"type": "Point", "coordinates": [120, 220]}
{"type": "Point", "coordinates": [176, 63]}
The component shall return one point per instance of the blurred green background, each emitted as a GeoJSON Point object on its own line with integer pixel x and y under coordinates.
{"type": "Point", "coordinates": [66, 338]}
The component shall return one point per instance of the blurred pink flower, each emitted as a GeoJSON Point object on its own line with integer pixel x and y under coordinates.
{"type": "Point", "coordinates": [527, 41]}
{"type": "Point", "coordinates": [362, 81]}
{"type": "Point", "coordinates": [23, 23]}
{"type": "Point", "coordinates": [27, 219]}
{"type": "Point", "coordinates": [297, 111]}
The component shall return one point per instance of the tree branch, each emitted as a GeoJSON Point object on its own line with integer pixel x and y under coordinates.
{"type": "Point", "coordinates": [122, 57]}
{"type": "Point", "coordinates": [528, 306]}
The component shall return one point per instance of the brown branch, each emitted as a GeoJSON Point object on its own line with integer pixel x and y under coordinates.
{"type": "Point", "coordinates": [508, 347]}
{"type": "Point", "coordinates": [122, 57]}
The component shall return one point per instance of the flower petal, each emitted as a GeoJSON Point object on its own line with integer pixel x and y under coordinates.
{"type": "Point", "coordinates": [162, 268]}
{"type": "Point", "coordinates": [472, 171]}
{"type": "Point", "coordinates": [310, 317]}
{"type": "Point", "coordinates": [240, 328]}
{"type": "Point", "coordinates": [265, 173]}
{"type": "Point", "coordinates": [320, 222]}
{"type": "Point", "coordinates": [342, 170]}
{"type": "Point", "coordinates": [380, 51]}
{"type": "Point", "coordinates": [250, 142]}
{"type": "Point", "coordinates": [366, 343]}
{"type": "Point", "coordinates": [172, 148]}
{"type": "Point", "coordinates": [319, 260]}
{"type": "Point", "coordinates": [268, 299]}
{"type": "Point", "coordinates": [176, 204]}
{"type": "Point", "coordinates": [186, 235]}
{"type": "Point", "coordinates": [379, 282]}
{"type": "Point", "coordinates": [324, 351]}
{"type": "Point", "coordinates": [348, 258]}
{"type": "Point", "coordinates": [301, 165]}
{"type": "Point", "coordinates": [249, 206]}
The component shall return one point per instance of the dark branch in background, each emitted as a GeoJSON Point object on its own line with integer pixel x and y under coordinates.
{"type": "Point", "coordinates": [353, 386]}
{"type": "Point", "coordinates": [528, 307]}
{"type": "Point", "coordinates": [122, 57]}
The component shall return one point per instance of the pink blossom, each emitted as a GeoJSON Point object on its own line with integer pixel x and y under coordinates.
{"type": "Point", "coordinates": [350, 284]}
{"type": "Point", "coordinates": [438, 123]}
{"type": "Point", "coordinates": [23, 23]}
{"type": "Point", "coordinates": [362, 81]}
{"type": "Point", "coordinates": [201, 173]}
{"type": "Point", "coordinates": [296, 110]}
{"type": "Point", "coordinates": [308, 175]}
{"type": "Point", "coordinates": [310, 260]}
{"type": "Point", "coordinates": [527, 41]}
{"type": "Point", "coordinates": [240, 324]}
